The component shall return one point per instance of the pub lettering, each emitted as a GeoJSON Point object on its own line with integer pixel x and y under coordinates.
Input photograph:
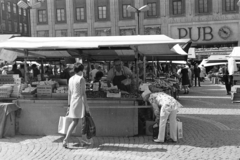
{"type": "Point", "coordinates": [200, 33]}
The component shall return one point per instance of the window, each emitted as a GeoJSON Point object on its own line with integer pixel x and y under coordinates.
{"type": "Point", "coordinates": [10, 26]}
{"type": "Point", "coordinates": [3, 25]}
{"type": "Point", "coordinates": [8, 15]}
{"type": "Point", "coordinates": [24, 12]}
{"type": "Point", "coordinates": [202, 6]}
{"type": "Point", "coordinates": [102, 12]}
{"type": "Point", "coordinates": [230, 6]}
{"type": "Point", "coordinates": [102, 8]}
{"type": "Point", "coordinates": [61, 33]}
{"type": "Point", "coordinates": [60, 15]}
{"type": "Point", "coordinates": [9, 6]}
{"type": "Point", "coordinates": [20, 27]}
{"type": "Point", "coordinates": [15, 27]}
{"type": "Point", "coordinates": [3, 6]}
{"type": "Point", "coordinates": [177, 7]}
{"type": "Point", "coordinates": [80, 33]}
{"type": "Point", "coordinates": [152, 9]}
{"type": "Point", "coordinates": [42, 16]}
{"type": "Point", "coordinates": [19, 11]}
{"type": "Point", "coordinates": [125, 12]}
{"type": "Point", "coordinates": [25, 28]}
{"type": "Point", "coordinates": [80, 14]}
{"type": "Point", "coordinates": [14, 8]}
{"type": "Point", "coordinates": [43, 33]}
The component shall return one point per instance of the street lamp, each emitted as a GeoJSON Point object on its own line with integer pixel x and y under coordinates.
{"type": "Point", "coordinates": [28, 7]}
{"type": "Point", "coordinates": [238, 3]}
{"type": "Point", "coordinates": [138, 10]}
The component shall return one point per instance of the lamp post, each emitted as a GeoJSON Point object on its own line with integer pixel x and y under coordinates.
{"type": "Point", "coordinates": [138, 11]}
{"type": "Point", "coordinates": [28, 7]}
{"type": "Point", "coordinates": [238, 3]}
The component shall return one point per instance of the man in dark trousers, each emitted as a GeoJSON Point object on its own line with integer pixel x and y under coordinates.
{"type": "Point", "coordinates": [197, 72]}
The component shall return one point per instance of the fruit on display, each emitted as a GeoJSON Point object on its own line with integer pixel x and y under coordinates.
{"type": "Point", "coordinates": [130, 95]}
{"type": "Point", "coordinates": [96, 94]}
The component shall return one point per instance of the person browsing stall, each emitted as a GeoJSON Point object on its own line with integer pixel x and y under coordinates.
{"type": "Point", "coordinates": [164, 107]}
{"type": "Point", "coordinates": [119, 73]}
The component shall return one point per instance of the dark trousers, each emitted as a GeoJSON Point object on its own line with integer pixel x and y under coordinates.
{"type": "Point", "coordinates": [228, 82]}
{"type": "Point", "coordinates": [197, 78]}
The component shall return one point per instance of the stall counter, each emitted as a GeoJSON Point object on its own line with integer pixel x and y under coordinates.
{"type": "Point", "coordinates": [112, 117]}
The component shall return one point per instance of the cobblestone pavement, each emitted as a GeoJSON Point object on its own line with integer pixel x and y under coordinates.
{"type": "Point", "coordinates": [210, 125]}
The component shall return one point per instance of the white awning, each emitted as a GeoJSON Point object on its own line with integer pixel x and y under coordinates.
{"type": "Point", "coordinates": [235, 53]}
{"type": "Point", "coordinates": [96, 47]}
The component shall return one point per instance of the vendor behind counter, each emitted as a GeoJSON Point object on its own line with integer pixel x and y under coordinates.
{"type": "Point", "coordinates": [117, 74]}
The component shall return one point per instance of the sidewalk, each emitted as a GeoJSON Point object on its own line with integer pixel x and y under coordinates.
{"type": "Point", "coordinates": [210, 126]}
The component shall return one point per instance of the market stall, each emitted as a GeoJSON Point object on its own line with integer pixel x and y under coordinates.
{"type": "Point", "coordinates": [114, 116]}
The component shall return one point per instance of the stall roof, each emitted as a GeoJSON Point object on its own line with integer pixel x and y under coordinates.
{"type": "Point", "coordinates": [217, 58]}
{"type": "Point", "coordinates": [235, 53]}
{"type": "Point", "coordinates": [101, 48]}
{"type": "Point", "coordinates": [222, 58]}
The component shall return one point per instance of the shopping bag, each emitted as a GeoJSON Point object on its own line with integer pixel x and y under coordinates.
{"type": "Point", "coordinates": [90, 126]}
{"type": "Point", "coordinates": [155, 128]}
{"type": "Point", "coordinates": [63, 124]}
{"type": "Point", "coordinates": [179, 130]}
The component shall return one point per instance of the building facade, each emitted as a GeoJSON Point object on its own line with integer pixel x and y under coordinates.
{"type": "Point", "coordinates": [13, 20]}
{"type": "Point", "coordinates": [210, 24]}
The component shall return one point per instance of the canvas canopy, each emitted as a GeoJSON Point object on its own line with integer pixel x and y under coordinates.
{"type": "Point", "coordinates": [217, 59]}
{"type": "Point", "coordinates": [99, 48]}
{"type": "Point", "coordinates": [235, 53]}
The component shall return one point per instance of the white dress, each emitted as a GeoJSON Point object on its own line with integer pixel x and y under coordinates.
{"type": "Point", "coordinates": [76, 96]}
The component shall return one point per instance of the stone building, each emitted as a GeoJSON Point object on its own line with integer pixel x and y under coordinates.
{"type": "Point", "coordinates": [13, 20]}
{"type": "Point", "coordinates": [210, 24]}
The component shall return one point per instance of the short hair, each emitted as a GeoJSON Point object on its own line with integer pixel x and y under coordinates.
{"type": "Point", "coordinates": [78, 67]}
{"type": "Point", "coordinates": [34, 65]}
{"type": "Point", "coordinates": [14, 66]}
{"type": "Point", "coordinates": [98, 75]}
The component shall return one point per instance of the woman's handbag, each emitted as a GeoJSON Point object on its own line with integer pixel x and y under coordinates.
{"type": "Point", "coordinates": [63, 124]}
{"type": "Point", "coordinates": [89, 127]}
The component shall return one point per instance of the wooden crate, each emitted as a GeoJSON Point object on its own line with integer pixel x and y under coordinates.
{"type": "Point", "coordinates": [48, 95]}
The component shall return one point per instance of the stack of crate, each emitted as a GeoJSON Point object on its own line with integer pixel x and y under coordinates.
{"type": "Point", "coordinates": [9, 79]}
{"type": "Point", "coordinates": [5, 91]}
{"type": "Point", "coordinates": [45, 90]}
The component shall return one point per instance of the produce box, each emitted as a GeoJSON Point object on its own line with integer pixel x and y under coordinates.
{"type": "Point", "coordinates": [60, 95]}
{"type": "Point", "coordinates": [48, 95]}
{"type": "Point", "coordinates": [113, 95]}
{"type": "Point", "coordinates": [45, 90]}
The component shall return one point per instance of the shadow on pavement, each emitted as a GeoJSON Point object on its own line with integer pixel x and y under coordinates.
{"type": "Point", "coordinates": [134, 149]}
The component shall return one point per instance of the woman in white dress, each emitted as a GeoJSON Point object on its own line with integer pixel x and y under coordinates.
{"type": "Point", "coordinates": [77, 100]}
